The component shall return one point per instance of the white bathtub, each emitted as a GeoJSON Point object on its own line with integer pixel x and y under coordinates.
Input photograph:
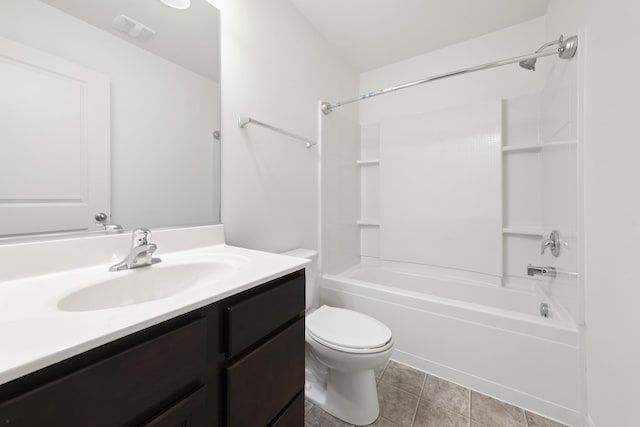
{"type": "Point", "coordinates": [486, 337]}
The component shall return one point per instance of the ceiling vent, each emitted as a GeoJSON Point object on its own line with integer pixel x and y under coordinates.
{"type": "Point", "coordinates": [133, 28]}
{"type": "Point", "coordinates": [177, 4]}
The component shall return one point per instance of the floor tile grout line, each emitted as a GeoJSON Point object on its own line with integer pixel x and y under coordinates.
{"type": "Point", "coordinates": [444, 405]}
{"type": "Point", "coordinates": [307, 411]}
{"type": "Point", "coordinates": [383, 371]}
{"type": "Point", "coordinates": [397, 386]}
{"type": "Point", "coordinates": [388, 420]}
{"type": "Point", "coordinates": [406, 392]}
{"type": "Point", "coordinates": [415, 413]}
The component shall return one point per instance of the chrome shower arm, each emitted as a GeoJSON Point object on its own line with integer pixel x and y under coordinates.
{"type": "Point", "coordinates": [559, 42]}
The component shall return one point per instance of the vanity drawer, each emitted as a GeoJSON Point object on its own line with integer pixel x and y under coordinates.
{"type": "Point", "coordinates": [123, 389]}
{"type": "Point", "coordinates": [188, 412]}
{"type": "Point", "coordinates": [255, 318]}
{"type": "Point", "coordinates": [293, 416]}
{"type": "Point", "coordinates": [261, 384]}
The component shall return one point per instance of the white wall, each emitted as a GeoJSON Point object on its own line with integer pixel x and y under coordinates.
{"type": "Point", "coordinates": [520, 90]}
{"type": "Point", "coordinates": [612, 211]}
{"type": "Point", "coordinates": [275, 67]}
{"type": "Point", "coordinates": [162, 117]}
{"type": "Point", "coordinates": [505, 81]}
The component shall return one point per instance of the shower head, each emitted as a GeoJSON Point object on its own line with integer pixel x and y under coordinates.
{"type": "Point", "coordinates": [566, 50]}
{"type": "Point", "coordinates": [529, 64]}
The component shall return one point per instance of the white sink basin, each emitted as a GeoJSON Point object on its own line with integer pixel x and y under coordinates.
{"type": "Point", "coordinates": [146, 284]}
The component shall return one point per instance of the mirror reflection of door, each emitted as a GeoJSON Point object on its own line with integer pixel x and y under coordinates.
{"type": "Point", "coordinates": [141, 81]}
{"type": "Point", "coordinates": [54, 142]}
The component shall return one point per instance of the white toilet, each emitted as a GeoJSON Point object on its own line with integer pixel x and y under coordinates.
{"type": "Point", "coordinates": [343, 349]}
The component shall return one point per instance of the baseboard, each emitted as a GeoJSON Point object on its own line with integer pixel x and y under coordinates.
{"type": "Point", "coordinates": [498, 391]}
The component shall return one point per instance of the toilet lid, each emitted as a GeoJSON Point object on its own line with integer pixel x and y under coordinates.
{"type": "Point", "coordinates": [347, 328]}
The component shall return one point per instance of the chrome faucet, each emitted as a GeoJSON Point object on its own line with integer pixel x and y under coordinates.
{"type": "Point", "coordinates": [141, 254]}
{"type": "Point", "coordinates": [533, 270]}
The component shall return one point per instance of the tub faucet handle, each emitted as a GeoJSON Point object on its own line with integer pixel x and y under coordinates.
{"type": "Point", "coordinates": [548, 244]}
{"type": "Point", "coordinates": [553, 243]}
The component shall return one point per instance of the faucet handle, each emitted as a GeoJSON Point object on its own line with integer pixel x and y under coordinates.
{"type": "Point", "coordinates": [547, 244]}
{"type": "Point", "coordinates": [553, 243]}
{"type": "Point", "coordinates": [141, 236]}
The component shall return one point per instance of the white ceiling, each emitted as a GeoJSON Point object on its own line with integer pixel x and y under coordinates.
{"type": "Point", "coordinates": [371, 33]}
{"type": "Point", "coordinates": [188, 37]}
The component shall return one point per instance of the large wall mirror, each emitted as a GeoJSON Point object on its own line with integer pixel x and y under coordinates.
{"type": "Point", "coordinates": [108, 107]}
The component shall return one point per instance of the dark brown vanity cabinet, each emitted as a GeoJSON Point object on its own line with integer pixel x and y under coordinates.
{"type": "Point", "coordinates": [238, 362]}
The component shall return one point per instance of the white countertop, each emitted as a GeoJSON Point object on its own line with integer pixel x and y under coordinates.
{"type": "Point", "coordinates": [35, 333]}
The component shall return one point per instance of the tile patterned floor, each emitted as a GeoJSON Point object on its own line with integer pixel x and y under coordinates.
{"type": "Point", "coordinates": [411, 398]}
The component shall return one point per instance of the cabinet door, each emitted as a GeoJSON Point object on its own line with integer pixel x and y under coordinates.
{"type": "Point", "coordinates": [122, 390]}
{"type": "Point", "coordinates": [260, 385]}
{"type": "Point", "coordinates": [188, 412]}
{"type": "Point", "coordinates": [293, 416]}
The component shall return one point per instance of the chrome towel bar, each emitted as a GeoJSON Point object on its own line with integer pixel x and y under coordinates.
{"type": "Point", "coordinates": [244, 121]}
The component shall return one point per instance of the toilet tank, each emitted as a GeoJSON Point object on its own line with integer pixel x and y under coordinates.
{"type": "Point", "coordinates": [311, 273]}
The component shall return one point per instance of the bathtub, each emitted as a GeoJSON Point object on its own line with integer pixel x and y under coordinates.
{"type": "Point", "coordinates": [486, 337]}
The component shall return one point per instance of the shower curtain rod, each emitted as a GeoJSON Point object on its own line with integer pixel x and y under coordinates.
{"type": "Point", "coordinates": [566, 50]}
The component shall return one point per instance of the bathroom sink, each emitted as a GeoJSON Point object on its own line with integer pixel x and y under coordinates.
{"type": "Point", "coordinates": [146, 284]}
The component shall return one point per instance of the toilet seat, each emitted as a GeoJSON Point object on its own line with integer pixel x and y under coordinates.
{"type": "Point", "coordinates": [348, 331]}
{"type": "Point", "coordinates": [349, 349]}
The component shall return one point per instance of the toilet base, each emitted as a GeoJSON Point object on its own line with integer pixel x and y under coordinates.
{"type": "Point", "coordinates": [351, 397]}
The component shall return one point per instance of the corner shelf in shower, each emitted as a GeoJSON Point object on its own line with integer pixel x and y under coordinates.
{"type": "Point", "coordinates": [368, 162]}
{"type": "Point", "coordinates": [368, 222]}
{"type": "Point", "coordinates": [537, 147]}
{"type": "Point", "coordinates": [523, 231]}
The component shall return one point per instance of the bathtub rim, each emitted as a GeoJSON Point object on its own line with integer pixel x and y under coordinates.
{"type": "Point", "coordinates": [558, 331]}
{"type": "Point", "coordinates": [532, 287]}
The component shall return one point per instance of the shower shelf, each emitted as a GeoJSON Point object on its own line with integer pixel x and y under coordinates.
{"type": "Point", "coordinates": [368, 162]}
{"type": "Point", "coordinates": [537, 147]}
{"type": "Point", "coordinates": [523, 231]}
{"type": "Point", "coordinates": [560, 143]}
{"type": "Point", "coordinates": [368, 222]}
{"type": "Point", "coordinates": [520, 148]}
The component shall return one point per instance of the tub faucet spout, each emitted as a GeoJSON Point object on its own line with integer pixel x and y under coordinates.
{"type": "Point", "coordinates": [533, 270]}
